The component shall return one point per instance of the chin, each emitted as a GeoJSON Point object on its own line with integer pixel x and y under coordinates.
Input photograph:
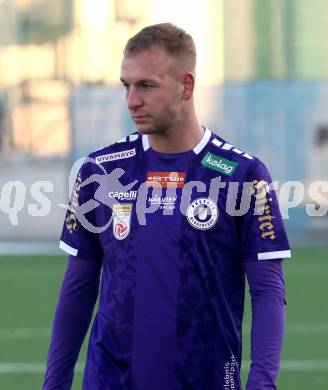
{"type": "Point", "coordinates": [143, 129]}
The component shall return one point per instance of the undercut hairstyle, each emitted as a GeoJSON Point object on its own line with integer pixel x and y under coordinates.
{"type": "Point", "coordinates": [173, 39]}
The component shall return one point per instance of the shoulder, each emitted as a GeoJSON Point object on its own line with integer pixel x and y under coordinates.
{"type": "Point", "coordinates": [120, 154]}
{"type": "Point", "coordinates": [125, 148]}
{"type": "Point", "coordinates": [245, 165]}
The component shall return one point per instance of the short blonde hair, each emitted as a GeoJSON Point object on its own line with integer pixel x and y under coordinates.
{"type": "Point", "coordinates": [173, 39]}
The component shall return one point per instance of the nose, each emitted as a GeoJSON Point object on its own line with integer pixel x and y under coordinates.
{"type": "Point", "coordinates": [133, 99]}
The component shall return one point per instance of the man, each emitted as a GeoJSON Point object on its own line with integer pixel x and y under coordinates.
{"type": "Point", "coordinates": [155, 212]}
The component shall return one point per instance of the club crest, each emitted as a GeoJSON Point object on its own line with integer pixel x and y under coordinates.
{"type": "Point", "coordinates": [202, 213]}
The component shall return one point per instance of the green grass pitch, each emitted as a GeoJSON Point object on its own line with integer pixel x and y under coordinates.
{"type": "Point", "coordinates": [29, 288]}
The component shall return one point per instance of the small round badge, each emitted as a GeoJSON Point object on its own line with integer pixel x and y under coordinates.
{"type": "Point", "coordinates": [202, 213]}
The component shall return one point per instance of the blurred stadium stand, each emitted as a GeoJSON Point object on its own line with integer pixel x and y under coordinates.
{"type": "Point", "coordinates": [263, 74]}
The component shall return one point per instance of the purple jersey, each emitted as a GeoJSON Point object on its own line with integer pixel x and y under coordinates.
{"type": "Point", "coordinates": [174, 231]}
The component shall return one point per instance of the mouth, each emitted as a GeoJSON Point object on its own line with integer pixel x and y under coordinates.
{"type": "Point", "coordinates": [139, 118]}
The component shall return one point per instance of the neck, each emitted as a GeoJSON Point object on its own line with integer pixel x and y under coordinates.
{"type": "Point", "coordinates": [178, 139]}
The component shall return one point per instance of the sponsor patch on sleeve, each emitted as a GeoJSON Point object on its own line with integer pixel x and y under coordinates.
{"type": "Point", "coordinates": [261, 191]}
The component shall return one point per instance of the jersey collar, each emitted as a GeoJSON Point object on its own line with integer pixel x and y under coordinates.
{"type": "Point", "coordinates": [197, 149]}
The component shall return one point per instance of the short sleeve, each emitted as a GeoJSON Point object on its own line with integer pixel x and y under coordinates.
{"type": "Point", "coordinates": [78, 238]}
{"type": "Point", "coordinates": [262, 231]}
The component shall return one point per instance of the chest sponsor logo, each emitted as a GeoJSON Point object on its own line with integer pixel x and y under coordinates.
{"type": "Point", "coordinates": [202, 213]}
{"type": "Point", "coordinates": [116, 156]}
{"type": "Point", "coordinates": [131, 195]}
{"type": "Point", "coordinates": [166, 179]}
{"type": "Point", "coordinates": [219, 164]}
{"type": "Point", "coordinates": [121, 220]}
{"type": "Point", "coordinates": [166, 202]}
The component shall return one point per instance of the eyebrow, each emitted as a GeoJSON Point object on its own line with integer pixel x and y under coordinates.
{"type": "Point", "coordinates": [140, 81]}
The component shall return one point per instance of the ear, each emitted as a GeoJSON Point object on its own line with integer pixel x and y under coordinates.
{"type": "Point", "coordinates": [188, 80]}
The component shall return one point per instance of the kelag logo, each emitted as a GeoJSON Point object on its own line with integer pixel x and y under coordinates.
{"type": "Point", "coordinates": [219, 164]}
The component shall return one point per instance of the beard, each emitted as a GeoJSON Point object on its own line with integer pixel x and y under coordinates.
{"type": "Point", "coordinates": [159, 126]}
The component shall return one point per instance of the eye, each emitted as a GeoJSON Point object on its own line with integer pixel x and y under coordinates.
{"type": "Point", "coordinates": [146, 85]}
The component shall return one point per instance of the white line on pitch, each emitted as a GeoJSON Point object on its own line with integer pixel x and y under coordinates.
{"type": "Point", "coordinates": [302, 328]}
{"type": "Point", "coordinates": [25, 333]}
{"type": "Point", "coordinates": [297, 365]}
{"type": "Point", "coordinates": [286, 365]}
{"type": "Point", "coordinates": [30, 368]}
{"type": "Point", "coordinates": [44, 333]}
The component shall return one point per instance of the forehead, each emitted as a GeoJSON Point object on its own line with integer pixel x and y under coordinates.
{"type": "Point", "coordinates": [154, 62]}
